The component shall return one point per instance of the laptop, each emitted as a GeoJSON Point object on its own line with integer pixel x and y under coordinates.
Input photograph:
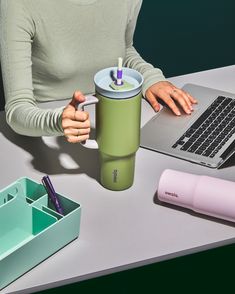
{"type": "Point", "coordinates": [205, 137]}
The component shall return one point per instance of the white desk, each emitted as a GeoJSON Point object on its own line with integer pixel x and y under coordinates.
{"type": "Point", "coordinates": [119, 230]}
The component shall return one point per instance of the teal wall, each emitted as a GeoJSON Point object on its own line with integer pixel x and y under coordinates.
{"type": "Point", "coordinates": [186, 36]}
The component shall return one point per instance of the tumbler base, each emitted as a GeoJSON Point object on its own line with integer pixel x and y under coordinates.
{"type": "Point", "coordinates": [117, 173]}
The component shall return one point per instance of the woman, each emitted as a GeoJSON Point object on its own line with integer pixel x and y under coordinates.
{"type": "Point", "coordinates": [50, 50]}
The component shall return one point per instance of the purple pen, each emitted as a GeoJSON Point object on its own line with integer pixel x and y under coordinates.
{"type": "Point", "coordinates": [119, 81]}
{"type": "Point", "coordinates": [52, 194]}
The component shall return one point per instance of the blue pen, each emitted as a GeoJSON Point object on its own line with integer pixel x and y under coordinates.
{"type": "Point", "coordinates": [52, 194]}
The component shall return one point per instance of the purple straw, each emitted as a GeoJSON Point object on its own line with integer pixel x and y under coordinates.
{"type": "Point", "coordinates": [119, 81]}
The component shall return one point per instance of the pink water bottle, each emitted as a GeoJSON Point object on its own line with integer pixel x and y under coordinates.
{"type": "Point", "coordinates": [203, 194]}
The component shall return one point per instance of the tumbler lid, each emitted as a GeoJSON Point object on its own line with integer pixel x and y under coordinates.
{"type": "Point", "coordinates": [104, 78]}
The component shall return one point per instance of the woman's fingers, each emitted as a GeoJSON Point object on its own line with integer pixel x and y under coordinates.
{"type": "Point", "coordinates": [75, 123]}
{"type": "Point", "coordinates": [170, 102]}
{"type": "Point", "coordinates": [179, 95]}
{"type": "Point", "coordinates": [76, 135]}
{"type": "Point", "coordinates": [68, 123]}
{"type": "Point", "coordinates": [153, 101]}
{"type": "Point", "coordinates": [174, 97]}
{"type": "Point", "coordinates": [76, 132]}
{"type": "Point", "coordinates": [78, 97]}
{"type": "Point", "coordinates": [74, 116]}
{"type": "Point", "coordinates": [76, 139]}
{"type": "Point", "coordinates": [191, 98]}
{"type": "Point", "coordinates": [182, 100]}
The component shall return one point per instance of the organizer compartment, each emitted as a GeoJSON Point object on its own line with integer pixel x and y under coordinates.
{"type": "Point", "coordinates": [21, 228]}
{"type": "Point", "coordinates": [30, 228]}
{"type": "Point", "coordinates": [44, 203]}
{"type": "Point", "coordinates": [31, 189]}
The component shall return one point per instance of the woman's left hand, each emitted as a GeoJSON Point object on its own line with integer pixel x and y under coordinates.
{"type": "Point", "coordinates": [169, 93]}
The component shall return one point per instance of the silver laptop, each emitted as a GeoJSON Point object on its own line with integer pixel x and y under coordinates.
{"type": "Point", "coordinates": [206, 137]}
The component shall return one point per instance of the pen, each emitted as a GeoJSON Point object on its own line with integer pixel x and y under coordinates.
{"type": "Point", "coordinates": [52, 194]}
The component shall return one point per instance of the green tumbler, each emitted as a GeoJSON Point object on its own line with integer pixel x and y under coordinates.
{"type": "Point", "coordinates": [118, 111]}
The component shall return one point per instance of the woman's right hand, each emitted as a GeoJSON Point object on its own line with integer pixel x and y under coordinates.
{"type": "Point", "coordinates": [75, 123]}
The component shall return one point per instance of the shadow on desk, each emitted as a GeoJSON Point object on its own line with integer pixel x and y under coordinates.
{"type": "Point", "coordinates": [47, 159]}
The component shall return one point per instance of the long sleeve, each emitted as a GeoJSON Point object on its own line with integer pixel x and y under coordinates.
{"type": "Point", "coordinates": [49, 49]}
{"type": "Point", "coordinates": [133, 59]}
{"type": "Point", "coordinates": [16, 39]}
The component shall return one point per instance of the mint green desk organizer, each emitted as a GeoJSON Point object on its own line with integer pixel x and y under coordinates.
{"type": "Point", "coordinates": [30, 228]}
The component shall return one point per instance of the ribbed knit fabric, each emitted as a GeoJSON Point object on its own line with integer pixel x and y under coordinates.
{"type": "Point", "coordinates": [50, 48]}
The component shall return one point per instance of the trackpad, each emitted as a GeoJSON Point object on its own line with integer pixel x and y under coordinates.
{"type": "Point", "coordinates": [167, 118]}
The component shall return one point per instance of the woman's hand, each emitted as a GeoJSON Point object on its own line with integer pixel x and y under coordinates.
{"type": "Point", "coordinates": [75, 123]}
{"type": "Point", "coordinates": [167, 92]}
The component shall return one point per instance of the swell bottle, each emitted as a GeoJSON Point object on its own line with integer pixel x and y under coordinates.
{"type": "Point", "coordinates": [207, 195]}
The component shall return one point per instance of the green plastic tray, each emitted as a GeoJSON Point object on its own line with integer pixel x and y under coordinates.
{"type": "Point", "coordinates": [30, 228]}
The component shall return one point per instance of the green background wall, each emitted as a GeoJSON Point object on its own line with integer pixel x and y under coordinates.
{"type": "Point", "coordinates": [186, 36]}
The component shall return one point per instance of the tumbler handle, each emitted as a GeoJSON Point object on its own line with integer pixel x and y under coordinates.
{"type": "Point", "coordinates": [90, 99]}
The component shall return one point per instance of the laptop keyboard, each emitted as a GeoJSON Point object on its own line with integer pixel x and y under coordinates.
{"type": "Point", "coordinates": [211, 130]}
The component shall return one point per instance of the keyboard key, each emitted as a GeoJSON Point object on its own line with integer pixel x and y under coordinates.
{"type": "Point", "coordinates": [199, 151]}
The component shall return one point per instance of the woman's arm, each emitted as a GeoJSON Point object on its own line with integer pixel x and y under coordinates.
{"type": "Point", "coordinates": [16, 39]}
{"type": "Point", "coordinates": [155, 85]}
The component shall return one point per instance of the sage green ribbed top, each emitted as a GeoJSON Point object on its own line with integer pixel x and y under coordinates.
{"type": "Point", "coordinates": [50, 48]}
